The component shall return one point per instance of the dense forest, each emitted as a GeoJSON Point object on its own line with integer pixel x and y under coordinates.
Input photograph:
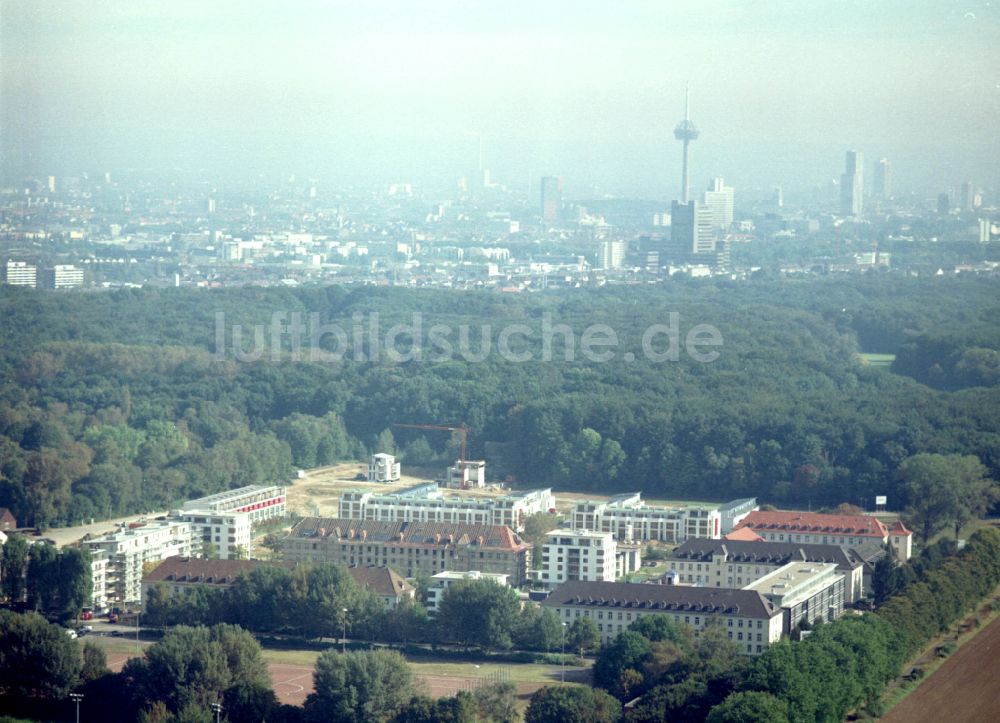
{"type": "Point", "coordinates": [133, 400]}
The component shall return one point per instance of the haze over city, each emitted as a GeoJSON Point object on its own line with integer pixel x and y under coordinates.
{"type": "Point", "coordinates": [395, 91]}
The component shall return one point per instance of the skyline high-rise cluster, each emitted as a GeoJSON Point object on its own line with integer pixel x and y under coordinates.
{"type": "Point", "coordinates": [852, 184]}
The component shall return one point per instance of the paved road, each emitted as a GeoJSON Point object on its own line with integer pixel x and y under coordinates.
{"type": "Point", "coordinates": [68, 535]}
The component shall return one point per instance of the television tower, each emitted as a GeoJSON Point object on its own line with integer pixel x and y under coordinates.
{"type": "Point", "coordinates": [685, 131]}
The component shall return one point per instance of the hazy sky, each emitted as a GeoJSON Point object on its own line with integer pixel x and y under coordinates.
{"type": "Point", "coordinates": [369, 90]}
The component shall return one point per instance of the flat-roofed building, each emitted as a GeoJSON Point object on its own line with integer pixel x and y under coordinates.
{"type": "Point", "coordinates": [427, 503]}
{"type": "Point", "coordinates": [62, 276]}
{"type": "Point", "coordinates": [260, 502]}
{"type": "Point", "coordinates": [752, 621]}
{"type": "Point", "coordinates": [577, 555]}
{"type": "Point", "coordinates": [410, 547]}
{"type": "Point", "coordinates": [20, 273]}
{"type": "Point", "coordinates": [805, 591]}
{"type": "Point", "coordinates": [735, 563]}
{"type": "Point", "coordinates": [384, 468]}
{"type": "Point", "coordinates": [818, 528]}
{"type": "Point", "coordinates": [628, 518]}
{"type": "Point", "coordinates": [130, 548]}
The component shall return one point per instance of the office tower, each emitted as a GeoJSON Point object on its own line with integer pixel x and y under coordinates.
{"type": "Point", "coordinates": [20, 273]}
{"type": "Point", "coordinates": [551, 198]}
{"type": "Point", "coordinates": [685, 131]}
{"type": "Point", "coordinates": [719, 200]}
{"type": "Point", "coordinates": [52, 184]}
{"type": "Point", "coordinates": [692, 232]}
{"type": "Point", "coordinates": [611, 254]}
{"type": "Point", "coordinates": [883, 179]}
{"type": "Point", "coordinates": [968, 196]}
{"type": "Point", "coordinates": [64, 276]}
{"type": "Point", "coordinates": [851, 185]}
{"type": "Point", "coordinates": [944, 203]}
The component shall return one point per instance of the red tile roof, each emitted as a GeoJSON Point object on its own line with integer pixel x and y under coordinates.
{"type": "Point", "coordinates": [744, 534]}
{"type": "Point", "coordinates": [898, 528]}
{"type": "Point", "coordinates": [814, 522]}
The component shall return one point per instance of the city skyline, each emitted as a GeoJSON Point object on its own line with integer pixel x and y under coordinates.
{"type": "Point", "coordinates": [346, 93]}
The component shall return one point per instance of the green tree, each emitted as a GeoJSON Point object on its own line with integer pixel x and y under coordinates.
{"type": "Point", "coordinates": [572, 705]}
{"type": "Point", "coordinates": [75, 586]}
{"type": "Point", "coordinates": [582, 634]}
{"type": "Point", "coordinates": [95, 662]}
{"type": "Point", "coordinates": [626, 652]}
{"type": "Point", "coordinates": [37, 658]}
{"type": "Point", "coordinates": [385, 443]}
{"type": "Point", "coordinates": [945, 490]}
{"type": "Point", "coordinates": [14, 567]}
{"type": "Point", "coordinates": [497, 702]}
{"type": "Point", "coordinates": [460, 708]}
{"type": "Point", "coordinates": [749, 707]}
{"type": "Point", "coordinates": [359, 686]}
{"type": "Point", "coordinates": [43, 578]}
{"type": "Point", "coordinates": [478, 612]}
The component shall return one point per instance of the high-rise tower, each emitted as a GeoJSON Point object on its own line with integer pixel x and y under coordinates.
{"type": "Point", "coordinates": [883, 180]}
{"type": "Point", "coordinates": [685, 131]}
{"type": "Point", "coordinates": [851, 185]}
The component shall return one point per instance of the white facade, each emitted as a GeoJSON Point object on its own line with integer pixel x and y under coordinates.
{"type": "Point", "coordinates": [229, 533]}
{"type": "Point", "coordinates": [63, 277]}
{"type": "Point", "coordinates": [611, 254]}
{"type": "Point", "coordinates": [98, 580]}
{"type": "Point", "coordinates": [629, 519]}
{"type": "Point", "coordinates": [384, 468]}
{"type": "Point", "coordinates": [427, 503]}
{"type": "Point", "coordinates": [465, 474]}
{"type": "Point", "coordinates": [20, 273]}
{"type": "Point", "coordinates": [578, 555]}
{"type": "Point", "coordinates": [719, 200]}
{"type": "Point", "coordinates": [130, 548]}
{"type": "Point", "coordinates": [261, 502]}
{"type": "Point", "coordinates": [443, 580]}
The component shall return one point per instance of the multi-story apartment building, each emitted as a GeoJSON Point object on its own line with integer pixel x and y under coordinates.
{"type": "Point", "coordinates": [735, 564]}
{"type": "Point", "coordinates": [62, 276]}
{"type": "Point", "coordinates": [817, 528]}
{"type": "Point", "coordinates": [427, 503]}
{"type": "Point", "coordinates": [384, 468]}
{"type": "Point", "coordinates": [628, 518]}
{"type": "Point", "coordinates": [577, 555]}
{"type": "Point", "coordinates": [466, 473]}
{"type": "Point", "coordinates": [261, 502]}
{"type": "Point", "coordinates": [224, 535]}
{"type": "Point", "coordinates": [99, 580]}
{"type": "Point", "coordinates": [130, 548]}
{"type": "Point", "coordinates": [753, 621]}
{"type": "Point", "coordinates": [410, 547]}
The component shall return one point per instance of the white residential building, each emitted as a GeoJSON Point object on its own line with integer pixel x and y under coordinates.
{"type": "Point", "coordinates": [629, 519]}
{"type": "Point", "coordinates": [384, 468]}
{"type": "Point", "coordinates": [261, 502]}
{"type": "Point", "coordinates": [130, 548]}
{"type": "Point", "coordinates": [62, 276]}
{"type": "Point", "coordinates": [465, 474]}
{"type": "Point", "coordinates": [577, 555]}
{"type": "Point", "coordinates": [99, 580]}
{"type": "Point", "coordinates": [443, 580]}
{"type": "Point", "coordinates": [229, 534]}
{"type": "Point", "coordinates": [427, 503]}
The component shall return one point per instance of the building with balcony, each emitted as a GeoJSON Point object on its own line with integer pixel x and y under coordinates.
{"type": "Point", "coordinates": [577, 555]}
{"type": "Point", "coordinates": [629, 519]}
{"type": "Point", "coordinates": [384, 468]}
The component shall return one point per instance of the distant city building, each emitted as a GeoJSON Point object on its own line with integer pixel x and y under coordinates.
{"type": "Point", "coordinates": [410, 547]}
{"type": "Point", "coordinates": [968, 196]}
{"type": "Point", "coordinates": [883, 179]}
{"type": "Point", "coordinates": [62, 277]}
{"type": "Point", "coordinates": [427, 503]}
{"type": "Point", "coordinates": [384, 468]}
{"type": "Point", "coordinates": [611, 254]}
{"type": "Point", "coordinates": [943, 203]}
{"type": "Point", "coordinates": [551, 201]}
{"type": "Point", "coordinates": [20, 273]}
{"type": "Point", "coordinates": [719, 199]}
{"type": "Point", "coordinates": [692, 233]}
{"type": "Point", "coordinates": [852, 185]}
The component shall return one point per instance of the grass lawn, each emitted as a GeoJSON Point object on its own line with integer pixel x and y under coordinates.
{"type": "Point", "coordinates": [516, 672]}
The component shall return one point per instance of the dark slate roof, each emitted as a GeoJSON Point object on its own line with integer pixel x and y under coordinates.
{"type": "Point", "coordinates": [662, 598]}
{"type": "Point", "coordinates": [775, 553]}
{"type": "Point", "coordinates": [382, 581]}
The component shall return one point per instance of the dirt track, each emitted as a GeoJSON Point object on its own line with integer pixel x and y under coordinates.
{"type": "Point", "coordinates": [964, 689]}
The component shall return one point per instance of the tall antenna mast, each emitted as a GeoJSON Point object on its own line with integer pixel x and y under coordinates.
{"type": "Point", "coordinates": [686, 131]}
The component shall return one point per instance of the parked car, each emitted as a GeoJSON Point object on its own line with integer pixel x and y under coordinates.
{"type": "Point", "coordinates": [116, 633]}
{"type": "Point", "coordinates": [87, 614]}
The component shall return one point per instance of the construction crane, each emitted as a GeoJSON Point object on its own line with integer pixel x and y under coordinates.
{"type": "Point", "coordinates": [463, 433]}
